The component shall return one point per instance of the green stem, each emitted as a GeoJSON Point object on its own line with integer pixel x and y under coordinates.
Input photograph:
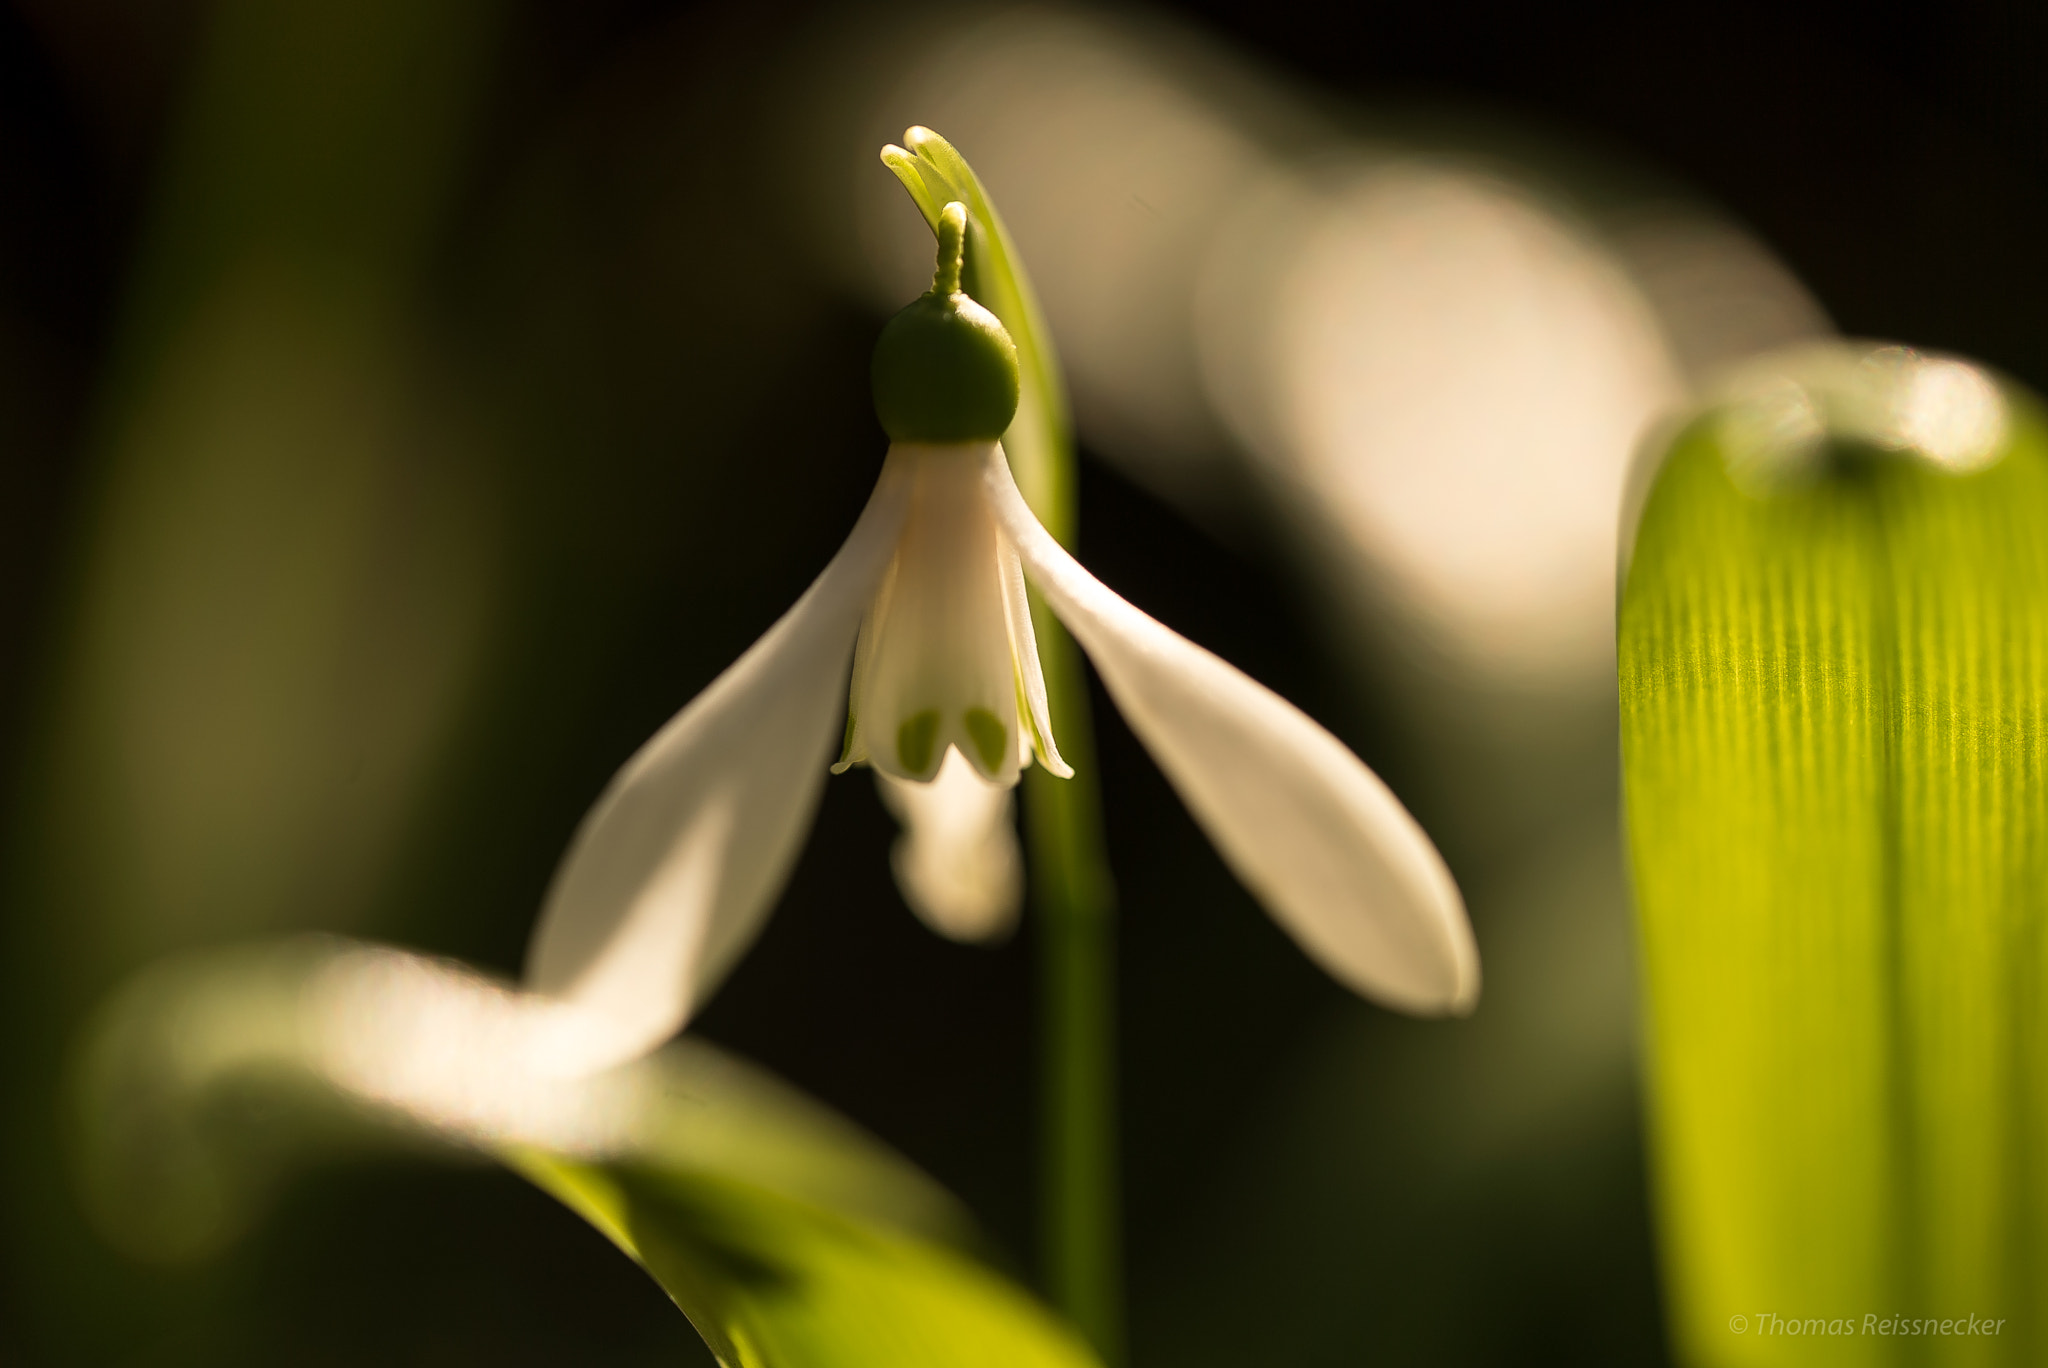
{"type": "Point", "coordinates": [1080, 1225]}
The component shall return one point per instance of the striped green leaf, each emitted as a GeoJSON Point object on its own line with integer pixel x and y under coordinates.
{"type": "Point", "coordinates": [1834, 673]}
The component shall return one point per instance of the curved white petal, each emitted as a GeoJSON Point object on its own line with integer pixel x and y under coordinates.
{"type": "Point", "coordinates": [1312, 832]}
{"type": "Point", "coordinates": [957, 860]}
{"type": "Point", "coordinates": [1034, 719]}
{"type": "Point", "coordinates": [674, 869]}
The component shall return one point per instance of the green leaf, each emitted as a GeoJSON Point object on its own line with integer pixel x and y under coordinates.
{"type": "Point", "coordinates": [1834, 673]}
{"type": "Point", "coordinates": [788, 1237]}
{"type": "Point", "coordinates": [771, 1281]}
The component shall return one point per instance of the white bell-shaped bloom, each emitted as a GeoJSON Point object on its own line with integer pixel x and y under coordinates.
{"type": "Point", "coordinates": [948, 701]}
{"type": "Point", "coordinates": [947, 661]}
{"type": "Point", "coordinates": [675, 869]}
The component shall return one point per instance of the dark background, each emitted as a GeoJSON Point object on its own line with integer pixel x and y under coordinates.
{"type": "Point", "coordinates": [1895, 156]}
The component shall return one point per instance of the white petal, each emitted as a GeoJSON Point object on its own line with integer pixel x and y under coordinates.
{"type": "Point", "coordinates": [675, 868]}
{"type": "Point", "coordinates": [957, 860]}
{"type": "Point", "coordinates": [1312, 832]}
{"type": "Point", "coordinates": [937, 668]}
{"type": "Point", "coordinates": [1034, 719]}
{"type": "Point", "coordinates": [854, 748]}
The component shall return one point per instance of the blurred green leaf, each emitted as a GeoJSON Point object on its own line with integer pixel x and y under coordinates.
{"type": "Point", "coordinates": [789, 1237]}
{"type": "Point", "coordinates": [770, 1281]}
{"type": "Point", "coordinates": [1834, 671]}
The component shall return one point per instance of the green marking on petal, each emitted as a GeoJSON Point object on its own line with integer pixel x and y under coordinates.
{"type": "Point", "coordinates": [914, 740]}
{"type": "Point", "coordinates": [990, 737]}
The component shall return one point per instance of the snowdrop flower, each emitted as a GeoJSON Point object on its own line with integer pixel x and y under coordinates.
{"type": "Point", "coordinates": [674, 870]}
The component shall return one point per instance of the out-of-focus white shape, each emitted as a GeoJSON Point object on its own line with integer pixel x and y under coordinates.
{"type": "Point", "coordinates": [171, 1166]}
{"type": "Point", "coordinates": [461, 1054]}
{"type": "Point", "coordinates": [1718, 293]}
{"type": "Point", "coordinates": [1951, 413]}
{"type": "Point", "coordinates": [1314, 834]}
{"type": "Point", "coordinates": [1776, 412]}
{"type": "Point", "coordinates": [674, 870]}
{"type": "Point", "coordinates": [1451, 380]}
{"type": "Point", "coordinates": [327, 1034]}
{"type": "Point", "coordinates": [957, 860]}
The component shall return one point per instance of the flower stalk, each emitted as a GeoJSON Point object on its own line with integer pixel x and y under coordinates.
{"type": "Point", "coordinates": [1080, 1225]}
{"type": "Point", "coordinates": [1073, 896]}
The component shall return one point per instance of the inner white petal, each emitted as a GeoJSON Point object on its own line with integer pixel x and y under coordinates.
{"type": "Point", "coordinates": [1030, 678]}
{"type": "Point", "coordinates": [957, 860]}
{"type": "Point", "coordinates": [937, 670]}
{"type": "Point", "coordinates": [854, 750]}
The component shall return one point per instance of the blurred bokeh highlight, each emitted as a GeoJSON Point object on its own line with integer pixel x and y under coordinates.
{"type": "Point", "coordinates": [407, 407]}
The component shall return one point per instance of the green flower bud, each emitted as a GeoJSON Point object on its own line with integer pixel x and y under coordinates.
{"type": "Point", "coordinates": [945, 369]}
